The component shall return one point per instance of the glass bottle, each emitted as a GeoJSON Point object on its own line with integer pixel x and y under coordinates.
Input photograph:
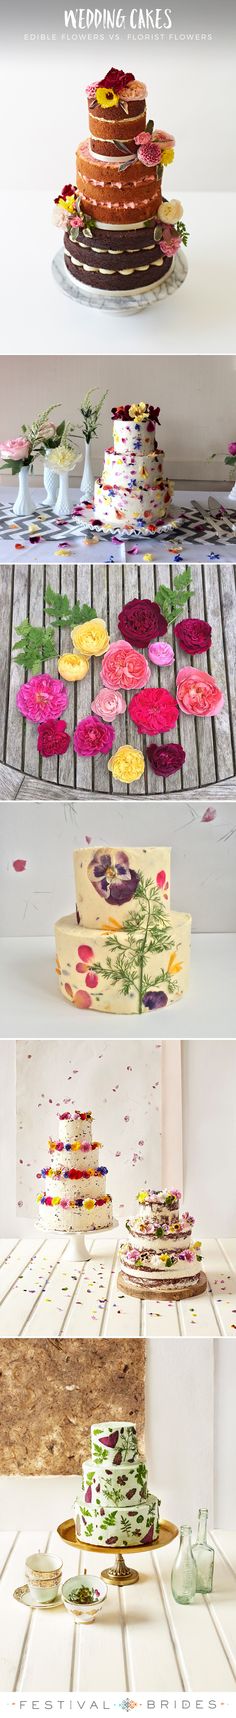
{"type": "Point", "coordinates": [204, 1556]}
{"type": "Point", "coordinates": [184, 1574]}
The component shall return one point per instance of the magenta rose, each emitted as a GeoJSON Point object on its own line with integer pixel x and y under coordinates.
{"type": "Point", "coordinates": [18, 449]}
{"type": "Point", "coordinates": [232, 448]}
{"type": "Point", "coordinates": [92, 737]}
{"type": "Point", "coordinates": [42, 699]}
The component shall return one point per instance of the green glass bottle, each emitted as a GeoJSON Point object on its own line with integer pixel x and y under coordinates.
{"type": "Point", "coordinates": [204, 1556]}
{"type": "Point", "coordinates": [184, 1574]}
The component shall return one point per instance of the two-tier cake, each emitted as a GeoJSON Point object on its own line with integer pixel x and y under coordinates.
{"type": "Point", "coordinates": [121, 236]}
{"type": "Point", "coordinates": [114, 1506]}
{"type": "Point", "coordinates": [73, 1193]}
{"type": "Point", "coordinates": [160, 1257]}
{"type": "Point", "coordinates": [133, 493]}
{"type": "Point", "coordinates": [123, 951]}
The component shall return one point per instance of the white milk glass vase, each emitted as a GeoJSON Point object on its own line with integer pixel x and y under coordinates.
{"type": "Point", "coordinates": [87, 480]}
{"type": "Point", "coordinates": [50, 479]}
{"type": "Point", "coordinates": [23, 506]}
{"type": "Point", "coordinates": [232, 495]}
{"type": "Point", "coordinates": [62, 505]}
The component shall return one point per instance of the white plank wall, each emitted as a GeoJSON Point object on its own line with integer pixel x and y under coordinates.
{"type": "Point", "coordinates": [43, 1293]}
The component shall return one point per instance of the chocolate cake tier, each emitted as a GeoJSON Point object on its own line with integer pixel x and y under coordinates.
{"type": "Point", "coordinates": [116, 261]}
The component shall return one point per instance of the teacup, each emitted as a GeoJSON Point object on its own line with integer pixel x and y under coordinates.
{"type": "Point", "coordinates": [43, 1574]}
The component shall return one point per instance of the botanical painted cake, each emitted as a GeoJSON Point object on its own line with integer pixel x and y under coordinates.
{"type": "Point", "coordinates": [121, 235]}
{"type": "Point", "coordinates": [114, 1506]}
{"type": "Point", "coordinates": [123, 951]}
{"type": "Point", "coordinates": [73, 1193]}
{"type": "Point", "coordinates": [133, 491]}
{"type": "Point", "coordinates": [160, 1252]}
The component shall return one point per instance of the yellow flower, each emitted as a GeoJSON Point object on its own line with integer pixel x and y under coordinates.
{"type": "Point", "coordinates": [170, 212]}
{"type": "Point", "coordinates": [91, 638]}
{"type": "Point", "coordinates": [164, 1258]}
{"type": "Point", "coordinates": [167, 157]}
{"type": "Point", "coordinates": [142, 1198]}
{"type": "Point", "coordinates": [127, 764]}
{"type": "Point", "coordinates": [173, 964]}
{"type": "Point", "coordinates": [139, 412]}
{"type": "Point", "coordinates": [72, 667]}
{"type": "Point", "coordinates": [106, 97]}
{"type": "Point", "coordinates": [113, 926]}
{"type": "Point", "coordinates": [67, 203]}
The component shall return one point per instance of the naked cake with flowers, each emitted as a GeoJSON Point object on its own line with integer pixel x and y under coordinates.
{"type": "Point", "coordinates": [123, 951]}
{"type": "Point", "coordinates": [160, 1257]}
{"type": "Point", "coordinates": [114, 1506]}
{"type": "Point", "coordinates": [73, 1193]}
{"type": "Point", "coordinates": [121, 235]}
{"type": "Point", "coordinates": [133, 492]}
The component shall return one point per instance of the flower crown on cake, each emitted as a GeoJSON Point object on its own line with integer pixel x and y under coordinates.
{"type": "Point", "coordinates": [110, 90]}
{"type": "Point", "coordinates": [141, 414]}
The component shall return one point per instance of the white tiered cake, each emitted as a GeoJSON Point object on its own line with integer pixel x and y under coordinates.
{"type": "Point", "coordinates": [133, 492]}
{"type": "Point", "coordinates": [114, 1506]}
{"type": "Point", "coordinates": [73, 1196]}
{"type": "Point", "coordinates": [161, 1258]}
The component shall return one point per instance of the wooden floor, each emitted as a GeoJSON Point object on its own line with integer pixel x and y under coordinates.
{"type": "Point", "coordinates": [43, 1293]}
{"type": "Point", "coordinates": [142, 1639]}
{"type": "Point", "coordinates": [210, 745]}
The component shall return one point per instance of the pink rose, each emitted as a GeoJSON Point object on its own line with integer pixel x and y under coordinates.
{"type": "Point", "coordinates": [76, 221]}
{"type": "Point", "coordinates": [232, 448]}
{"type": "Point", "coordinates": [60, 216]}
{"type": "Point", "coordinates": [165, 139]}
{"type": "Point", "coordinates": [47, 431]}
{"type": "Point", "coordinates": [170, 243]}
{"type": "Point", "coordinates": [108, 704]}
{"type": "Point", "coordinates": [17, 449]}
{"type": "Point", "coordinates": [149, 153]}
{"type": "Point", "coordinates": [142, 137]}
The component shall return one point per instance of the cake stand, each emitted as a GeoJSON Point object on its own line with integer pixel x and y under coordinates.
{"type": "Point", "coordinates": [77, 1251]}
{"type": "Point", "coordinates": [118, 1573]}
{"type": "Point", "coordinates": [118, 303]}
{"type": "Point", "coordinates": [164, 1293]}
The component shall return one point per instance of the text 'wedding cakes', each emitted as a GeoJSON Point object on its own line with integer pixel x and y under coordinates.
{"type": "Point", "coordinates": [121, 236]}
{"type": "Point", "coordinates": [133, 491]}
{"type": "Point", "coordinates": [73, 1187]}
{"type": "Point", "coordinates": [114, 1506]}
{"type": "Point", "coordinates": [123, 951]}
{"type": "Point", "coordinates": [160, 1256]}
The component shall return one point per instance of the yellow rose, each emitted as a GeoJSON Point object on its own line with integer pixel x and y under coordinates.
{"type": "Point", "coordinates": [72, 667]}
{"type": "Point", "coordinates": [167, 157]}
{"type": "Point", "coordinates": [106, 97]}
{"type": "Point", "coordinates": [91, 638]}
{"type": "Point", "coordinates": [127, 764]}
{"type": "Point", "coordinates": [170, 212]}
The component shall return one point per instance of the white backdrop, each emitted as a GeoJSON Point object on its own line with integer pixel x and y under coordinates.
{"type": "Point", "coordinates": [209, 1134]}
{"type": "Point", "coordinates": [190, 1428]}
{"type": "Point", "coordinates": [123, 1090]}
{"type": "Point", "coordinates": [44, 835]}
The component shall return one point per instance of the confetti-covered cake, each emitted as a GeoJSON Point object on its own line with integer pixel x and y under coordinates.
{"type": "Point", "coordinates": [73, 1186]}
{"type": "Point", "coordinates": [114, 1506]}
{"type": "Point", "coordinates": [121, 236]}
{"type": "Point", "coordinates": [160, 1252]}
{"type": "Point", "coordinates": [133, 491]}
{"type": "Point", "coordinates": [123, 951]}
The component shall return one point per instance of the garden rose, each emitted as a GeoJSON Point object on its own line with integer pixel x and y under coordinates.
{"type": "Point", "coordinates": [127, 764]}
{"type": "Point", "coordinates": [124, 667]}
{"type": "Point", "coordinates": [154, 711]}
{"type": "Point", "coordinates": [91, 638]}
{"type": "Point", "coordinates": [170, 243]}
{"type": "Point", "coordinates": [108, 704]}
{"type": "Point", "coordinates": [72, 667]}
{"type": "Point", "coordinates": [197, 693]}
{"type": "Point", "coordinates": [41, 698]}
{"type": "Point", "coordinates": [18, 449]}
{"type": "Point", "coordinates": [141, 620]}
{"type": "Point", "coordinates": [170, 212]}
{"type": "Point", "coordinates": [53, 739]}
{"type": "Point", "coordinates": [161, 653]}
{"type": "Point", "coordinates": [232, 448]}
{"type": "Point", "coordinates": [92, 737]}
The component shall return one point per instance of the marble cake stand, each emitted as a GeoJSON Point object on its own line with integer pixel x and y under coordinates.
{"type": "Point", "coordinates": [118, 1572]}
{"type": "Point", "coordinates": [118, 303]}
{"type": "Point", "coordinates": [164, 1293]}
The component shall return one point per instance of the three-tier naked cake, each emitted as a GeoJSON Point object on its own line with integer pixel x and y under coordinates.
{"type": "Point", "coordinates": [133, 493]}
{"type": "Point", "coordinates": [121, 235]}
{"type": "Point", "coordinates": [123, 951]}
{"type": "Point", "coordinates": [160, 1258]}
{"type": "Point", "coordinates": [73, 1186]}
{"type": "Point", "coordinates": [114, 1506]}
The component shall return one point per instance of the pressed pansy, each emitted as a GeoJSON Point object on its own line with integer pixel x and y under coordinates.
{"type": "Point", "coordinates": [124, 667]}
{"type": "Point", "coordinates": [41, 698]}
{"type": "Point", "coordinates": [127, 764]}
{"type": "Point", "coordinates": [197, 693]}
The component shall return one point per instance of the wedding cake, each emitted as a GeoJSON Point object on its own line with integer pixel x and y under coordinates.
{"type": "Point", "coordinates": [114, 1506]}
{"type": "Point", "coordinates": [133, 491]}
{"type": "Point", "coordinates": [73, 1186]}
{"type": "Point", "coordinates": [121, 236]}
{"type": "Point", "coordinates": [160, 1255]}
{"type": "Point", "coordinates": [123, 951]}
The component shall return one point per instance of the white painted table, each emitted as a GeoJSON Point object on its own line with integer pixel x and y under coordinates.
{"type": "Point", "coordinates": [32, 1006]}
{"type": "Point", "coordinates": [43, 1293]}
{"type": "Point", "coordinates": [143, 1640]}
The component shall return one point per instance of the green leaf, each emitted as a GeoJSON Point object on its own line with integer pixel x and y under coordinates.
{"type": "Point", "coordinates": [60, 613]}
{"type": "Point", "coordinates": [34, 646]}
{"type": "Point", "coordinates": [150, 126]}
{"type": "Point", "coordinates": [172, 602]}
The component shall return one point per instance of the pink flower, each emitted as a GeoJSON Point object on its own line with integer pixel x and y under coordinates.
{"type": "Point", "coordinates": [42, 699]}
{"type": "Point", "coordinates": [170, 243]}
{"type": "Point", "coordinates": [53, 739]}
{"type": "Point", "coordinates": [60, 216]}
{"type": "Point", "coordinates": [92, 737]}
{"type": "Point", "coordinates": [165, 139]}
{"type": "Point", "coordinates": [108, 704]}
{"type": "Point", "coordinates": [48, 431]}
{"type": "Point", "coordinates": [142, 137]}
{"type": "Point", "coordinates": [17, 449]}
{"type": "Point", "coordinates": [125, 667]}
{"type": "Point", "coordinates": [149, 152]}
{"type": "Point", "coordinates": [76, 221]}
{"type": "Point", "coordinates": [232, 448]}
{"type": "Point", "coordinates": [197, 693]}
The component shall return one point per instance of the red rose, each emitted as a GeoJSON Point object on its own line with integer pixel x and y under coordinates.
{"type": "Point", "coordinates": [53, 739]}
{"type": "Point", "coordinates": [116, 80]}
{"type": "Point", "coordinates": [153, 711]}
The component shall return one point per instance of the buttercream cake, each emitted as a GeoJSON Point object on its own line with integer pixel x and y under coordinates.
{"type": "Point", "coordinates": [160, 1251]}
{"type": "Point", "coordinates": [133, 491]}
{"type": "Point", "coordinates": [123, 951]}
{"type": "Point", "coordinates": [114, 1506]}
{"type": "Point", "coordinates": [120, 235]}
{"type": "Point", "coordinates": [73, 1193]}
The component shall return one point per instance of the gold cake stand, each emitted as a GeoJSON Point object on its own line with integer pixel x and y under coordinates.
{"type": "Point", "coordinates": [165, 1293]}
{"type": "Point", "coordinates": [118, 1572]}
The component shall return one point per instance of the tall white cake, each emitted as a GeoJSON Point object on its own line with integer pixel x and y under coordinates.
{"type": "Point", "coordinates": [133, 491]}
{"type": "Point", "coordinates": [73, 1193]}
{"type": "Point", "coordinates": [114, 1506]}
{"type": "Point", "coordinates": [160, 1253]}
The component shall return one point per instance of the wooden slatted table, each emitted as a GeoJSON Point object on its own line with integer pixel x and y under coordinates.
{"type": "Point", "coordinates": [142, 1641]}
{"type": "Point", "coordinates": [43, 1293]}
{"type": "Point", "coordinates": [210, 745]}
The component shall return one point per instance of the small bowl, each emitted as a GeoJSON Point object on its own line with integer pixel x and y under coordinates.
{"type": "Point", "coordinates": [84, 1607]}
{"type": "Point", "coordinates": [44, 1577]}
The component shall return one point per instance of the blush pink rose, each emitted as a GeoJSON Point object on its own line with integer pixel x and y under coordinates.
{"type": "Point", "coordinates": [19, 448]}
{"type": "Point", "coordinates": [170, 243]}
{"type": "Point", "coordinates": [108, 704]}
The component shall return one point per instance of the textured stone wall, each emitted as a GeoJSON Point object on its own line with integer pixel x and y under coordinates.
{"type": "Point", "coordinates": [50, 1392]}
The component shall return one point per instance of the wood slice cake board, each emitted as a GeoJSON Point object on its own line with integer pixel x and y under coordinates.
{"type": "Point", "coordinates": [164, 1293]}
